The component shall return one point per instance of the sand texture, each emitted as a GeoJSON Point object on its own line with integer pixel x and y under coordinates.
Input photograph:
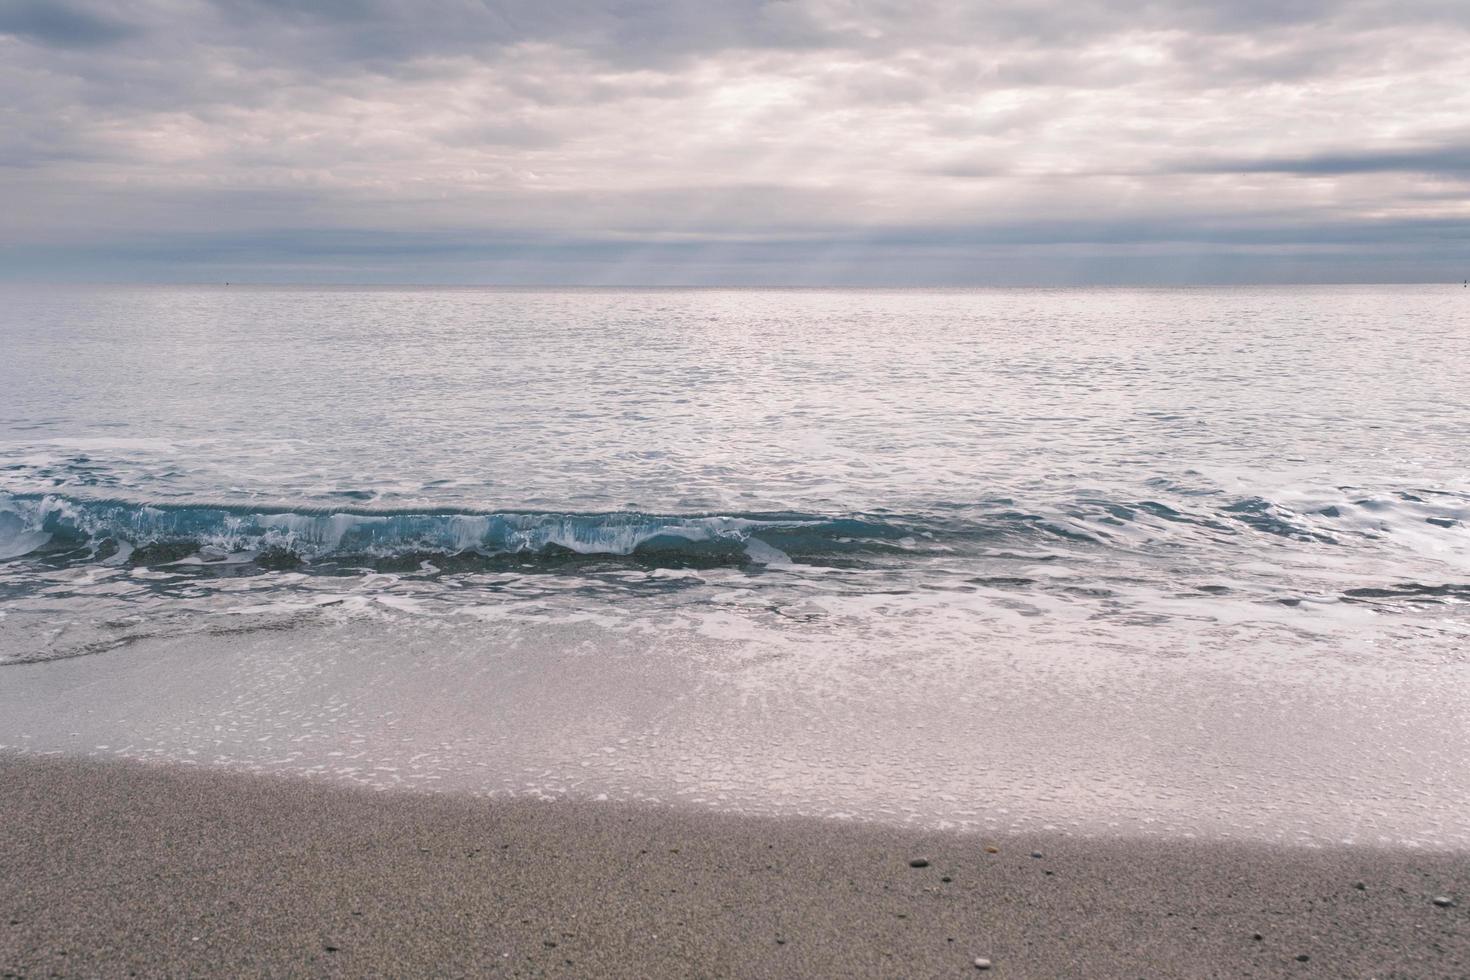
{"type": "Point", "coordinates": [112, 869]}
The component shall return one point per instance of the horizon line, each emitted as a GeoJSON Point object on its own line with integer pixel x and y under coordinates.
{"type": "Point", "coordinates": [329, 284]}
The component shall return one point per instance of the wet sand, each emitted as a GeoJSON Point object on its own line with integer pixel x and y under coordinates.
{"type": "Point", "coordinates": [111, 869]}
{"type": "Point", "coordinates": [1252, 745]}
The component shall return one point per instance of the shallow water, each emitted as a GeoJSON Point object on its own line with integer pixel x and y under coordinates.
{"type": "Point", "coordinates": [897, 489]}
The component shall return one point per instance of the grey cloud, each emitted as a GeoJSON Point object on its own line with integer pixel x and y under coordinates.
{"type": "Point", "coordinates": [63, 25]}
{"type": "Point", "coordinates": [380, 33]}
{"type": "Point", "coordinates": [383, 33]}
{"type": "Point", "coordinates": [502, 133]}
{"type": "Point", "coordinates": [390, 256]}
{"type": "Point", "coordinates": [1452, 160]}
{"type": "Point", "coordinates": [1204, 229]}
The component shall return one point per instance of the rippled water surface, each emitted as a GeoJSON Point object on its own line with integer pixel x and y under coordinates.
{"type": "Point", "coordinates": [1147, 555]}
{"type": "Point", "coordinates": [1294, 457]}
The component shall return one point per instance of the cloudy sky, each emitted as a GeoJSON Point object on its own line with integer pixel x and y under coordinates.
{"type": "Point", "coordinates": [738, 141]}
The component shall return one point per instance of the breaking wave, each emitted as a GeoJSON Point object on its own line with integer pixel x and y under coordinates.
{"type": "Point", "coordinates": [124, 531]}
{"type": "Point", "coordinates": [118, 531]}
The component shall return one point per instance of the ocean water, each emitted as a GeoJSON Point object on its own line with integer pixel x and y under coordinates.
{"type": "Point", "coordinates": [1296, 458]}
{"type": "Point", "coordinates": [913, 486]}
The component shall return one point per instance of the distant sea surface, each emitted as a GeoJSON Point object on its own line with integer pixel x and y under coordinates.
{"type": "Point", "coordinates": [1296, 459]}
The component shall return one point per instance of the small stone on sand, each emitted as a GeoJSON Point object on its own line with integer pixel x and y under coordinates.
{"type": "Point", "coordinates": [981, 963]}
{"type": "Point", "coordinates": [919, 863]}
{"type": "Point", "coordinates": [1443, 901]}
{"type": "Point", "coordinates": [991, 849]}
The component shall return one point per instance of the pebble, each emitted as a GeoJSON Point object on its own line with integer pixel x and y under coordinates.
{"type": "Point", "coordinates": [981, 963]}
{"type": "Point", "coordinates": [1036, 854]}
{"type": "Point", "coordinates": [1443, 901]}
{"type": "Point", "coordinates": [1302, 957]}
{"type": "Point", "coordinates": [992, 849]}
{"type": "Point", "coordinates": [919, 863]}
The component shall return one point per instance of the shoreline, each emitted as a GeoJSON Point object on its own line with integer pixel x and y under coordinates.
{"type": "Point", "coordinates": [1255, 745]}
{"type": "Point", "coordinates": [108, 867]}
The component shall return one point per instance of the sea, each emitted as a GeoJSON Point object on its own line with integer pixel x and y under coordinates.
{"type": "Point", "coordinates": [1158, 560]}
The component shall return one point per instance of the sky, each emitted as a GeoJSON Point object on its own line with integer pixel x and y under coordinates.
{"type": "Point", "coordinates": [738, 142]}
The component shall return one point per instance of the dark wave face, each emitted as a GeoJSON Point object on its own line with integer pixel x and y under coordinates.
{"type": "Point", "coordinates": [145, 534]}
{"type": "Point", "coordinates": [50, 523]}
{"type": "Point", "coordinates": [1202, 534]}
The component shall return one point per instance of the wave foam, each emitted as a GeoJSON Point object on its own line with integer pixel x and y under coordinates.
{"type": "Point", "coordinates": [30, 523]}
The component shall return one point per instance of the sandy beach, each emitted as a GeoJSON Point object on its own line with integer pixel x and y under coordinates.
{"type": "Point", "coordinates": [113, 869]}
